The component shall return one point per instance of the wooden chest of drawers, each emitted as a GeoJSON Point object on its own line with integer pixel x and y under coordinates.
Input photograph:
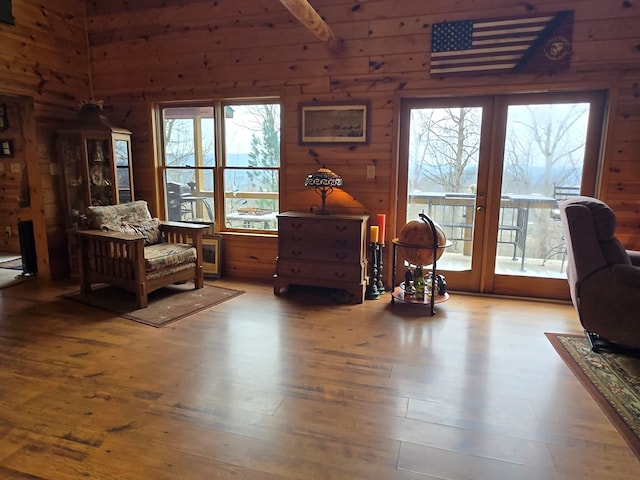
{"type": "Point", "coordinates": [322, 251]}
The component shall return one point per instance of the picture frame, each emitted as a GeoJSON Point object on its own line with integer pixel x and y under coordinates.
{"type": "Point", "coordinates": [6, 148]}
{"type": "Point", "coordinates": [334, 123]}
{"type": "Point", "coordinates": [211, 255]}
{"type": "Point", "coordinates": [4, 117]}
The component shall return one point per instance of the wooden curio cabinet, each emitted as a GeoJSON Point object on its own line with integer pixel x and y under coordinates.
{"type": "Point", "coordinates": [95, 158]}
{"type": "Point", "coordinates": [96, 162]}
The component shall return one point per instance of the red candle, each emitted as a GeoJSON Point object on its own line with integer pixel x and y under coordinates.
{"type": "Point", "coordinates": [381, 220]}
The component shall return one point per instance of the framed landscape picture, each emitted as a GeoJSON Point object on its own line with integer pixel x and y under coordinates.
{"type": "Point", "coordinates": [211, 255]}
{"type": "Point", "coordinates": [334, 123]}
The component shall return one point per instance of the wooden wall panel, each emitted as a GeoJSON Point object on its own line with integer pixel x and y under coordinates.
{"type": "Point", "coordinates": [44, 61]}
{"type": "Point", "coordinates": [152, 50]}
{"type": "Point", "coordinates": [155, 51]}
{"type": "Point", "coordinates": [11, 176]}
{"type": "Point", "coordinates": [246, 257]}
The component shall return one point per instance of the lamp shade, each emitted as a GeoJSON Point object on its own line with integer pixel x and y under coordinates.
{"type": "Point", "coordinates": [323, 178]}
{"type": "Point", "coordinates": [323, 181]}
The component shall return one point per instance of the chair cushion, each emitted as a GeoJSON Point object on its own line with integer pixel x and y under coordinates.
{"type": "Point", "coordinates": [110, 217]}
{"type": "Point", "coordinates": [164, 258]}
{"type": "Point", "coordinates": [149, 228]}
{"type": "Point", "coordinates": [599, 222]}
{"type": "Point", "coordinates": [131, 217]}
{"type": "Point", "coordinates": [604, 223]}
{"type": "Point", "coordinates": [604, 220]}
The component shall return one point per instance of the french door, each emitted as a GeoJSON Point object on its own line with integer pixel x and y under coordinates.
{"type": "Point", "coordinates": [490, 171]}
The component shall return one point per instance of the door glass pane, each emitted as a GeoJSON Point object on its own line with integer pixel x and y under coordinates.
{"type": "Point", "coordinates": [543, 161]}
{"type": "Point", "coordinates": [444, 145]}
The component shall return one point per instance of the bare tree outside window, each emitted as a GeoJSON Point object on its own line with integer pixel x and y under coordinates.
{"type": "Point", "coordinates": [544, 148]}
{"type": "Point", "coordinates": [248, 170]}
{"type": "Point", "coordinates": [445, 146]}
{"type": "Point", "coordinates": [252, 166]}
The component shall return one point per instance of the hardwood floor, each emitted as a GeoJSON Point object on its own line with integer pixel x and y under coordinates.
{"type": "Point", "coordinates": [296, 387]}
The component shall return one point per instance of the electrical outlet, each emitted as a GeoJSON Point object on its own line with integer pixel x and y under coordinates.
{"type": "Point", "coordinates": [371, 172]}
{"type": "Point", "coordinates": [7, 231]}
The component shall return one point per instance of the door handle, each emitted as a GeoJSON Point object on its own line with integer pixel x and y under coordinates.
{"type": "Point", "coordinates": [480, 208]}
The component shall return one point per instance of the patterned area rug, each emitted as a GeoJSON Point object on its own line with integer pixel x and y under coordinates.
{"type": "Point", "coordinates": [612, 380]}
{"type": "Point", "coordinates": [166, 305]}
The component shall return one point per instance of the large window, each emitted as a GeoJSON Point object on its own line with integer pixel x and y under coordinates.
{"type": "Point", "coordinates": [221, 163]}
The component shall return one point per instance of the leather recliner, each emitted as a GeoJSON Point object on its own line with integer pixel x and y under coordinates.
{"type": "Point", "coordinates": [604, 277]}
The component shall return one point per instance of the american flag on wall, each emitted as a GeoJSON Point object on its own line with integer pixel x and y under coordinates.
{"type": "Point", "coordinates": [537, 43]}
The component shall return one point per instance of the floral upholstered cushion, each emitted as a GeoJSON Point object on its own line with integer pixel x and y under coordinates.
{"type": "Point", "coordinates": [150, 229]}
{"type": "Point", "coordinates": [110, 217]}
{"type": "Point", "coordinates": [131, 217]}
{"type": "Point", "coordinates": [164, 258]}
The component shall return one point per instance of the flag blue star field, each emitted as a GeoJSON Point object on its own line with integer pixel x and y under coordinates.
{"type": "Point", "coordinates": [536, 43]}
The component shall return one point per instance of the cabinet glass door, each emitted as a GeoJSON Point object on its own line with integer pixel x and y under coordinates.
{"type": "Point", "coordinates": [101, 182]}
{"type": "Point", "coordinates": [122, 152]}
{"type": "Point", "coordinates": [74, 175]}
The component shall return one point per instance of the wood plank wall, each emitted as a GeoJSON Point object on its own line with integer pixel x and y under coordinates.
{"type": "Point", "coordinates": [152, 50]}
{"type": "Point", "coordinates": [21, 185]}
{"type": "Point", "coordinates": [44, 62]}
{"type": "Point", "coordinates": [11, 175]}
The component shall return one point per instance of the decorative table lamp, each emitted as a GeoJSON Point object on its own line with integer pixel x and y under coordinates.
{"type": "Point", "coordinates": [323, 182]}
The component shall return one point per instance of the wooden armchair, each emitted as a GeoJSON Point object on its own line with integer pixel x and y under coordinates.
{"type": "Point", "coordinates": [129, 249]}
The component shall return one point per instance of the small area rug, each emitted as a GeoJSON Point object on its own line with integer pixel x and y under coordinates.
{"type": "Point", "coordinates": [9, 278]}
{"type": "Point", "coordinates": [166, 305]}
{"type": "Point", "coordinates": [12, 264]}
{"type": "Point", "coordinates": [613, 381]}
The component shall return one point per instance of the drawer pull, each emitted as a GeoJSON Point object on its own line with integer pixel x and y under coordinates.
{"type": "Point", "coordinates": [341, 228]}
{"type": "Point", "coordinates": [296, 253]}
{"type": "Point", "coordinates": [340, 275]}
{"type": "Point", "coordinates": [295, 271]}
{"type": "Point", "coordinates": [341, 255]}
{"type": "Point", "coordinates": [296, 226]}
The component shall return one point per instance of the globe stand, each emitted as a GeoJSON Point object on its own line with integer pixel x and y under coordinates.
{"type": "Point", "coordinates": [434, 235]}
{"type": "Point", "coordinates": [431, 244]}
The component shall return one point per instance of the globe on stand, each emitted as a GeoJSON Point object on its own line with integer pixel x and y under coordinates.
{"type": "Point", "coordinates": [416, 245]}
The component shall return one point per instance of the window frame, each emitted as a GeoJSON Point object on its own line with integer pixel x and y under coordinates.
{"type": "Point", "coordinates": [219, 168]}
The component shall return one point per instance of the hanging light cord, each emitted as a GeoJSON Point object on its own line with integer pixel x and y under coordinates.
{"type": "Point", "coordinates": [86, 30]}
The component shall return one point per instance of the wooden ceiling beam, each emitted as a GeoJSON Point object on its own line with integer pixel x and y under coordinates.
{"type": "Point", "coordinates": [306, 14]}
